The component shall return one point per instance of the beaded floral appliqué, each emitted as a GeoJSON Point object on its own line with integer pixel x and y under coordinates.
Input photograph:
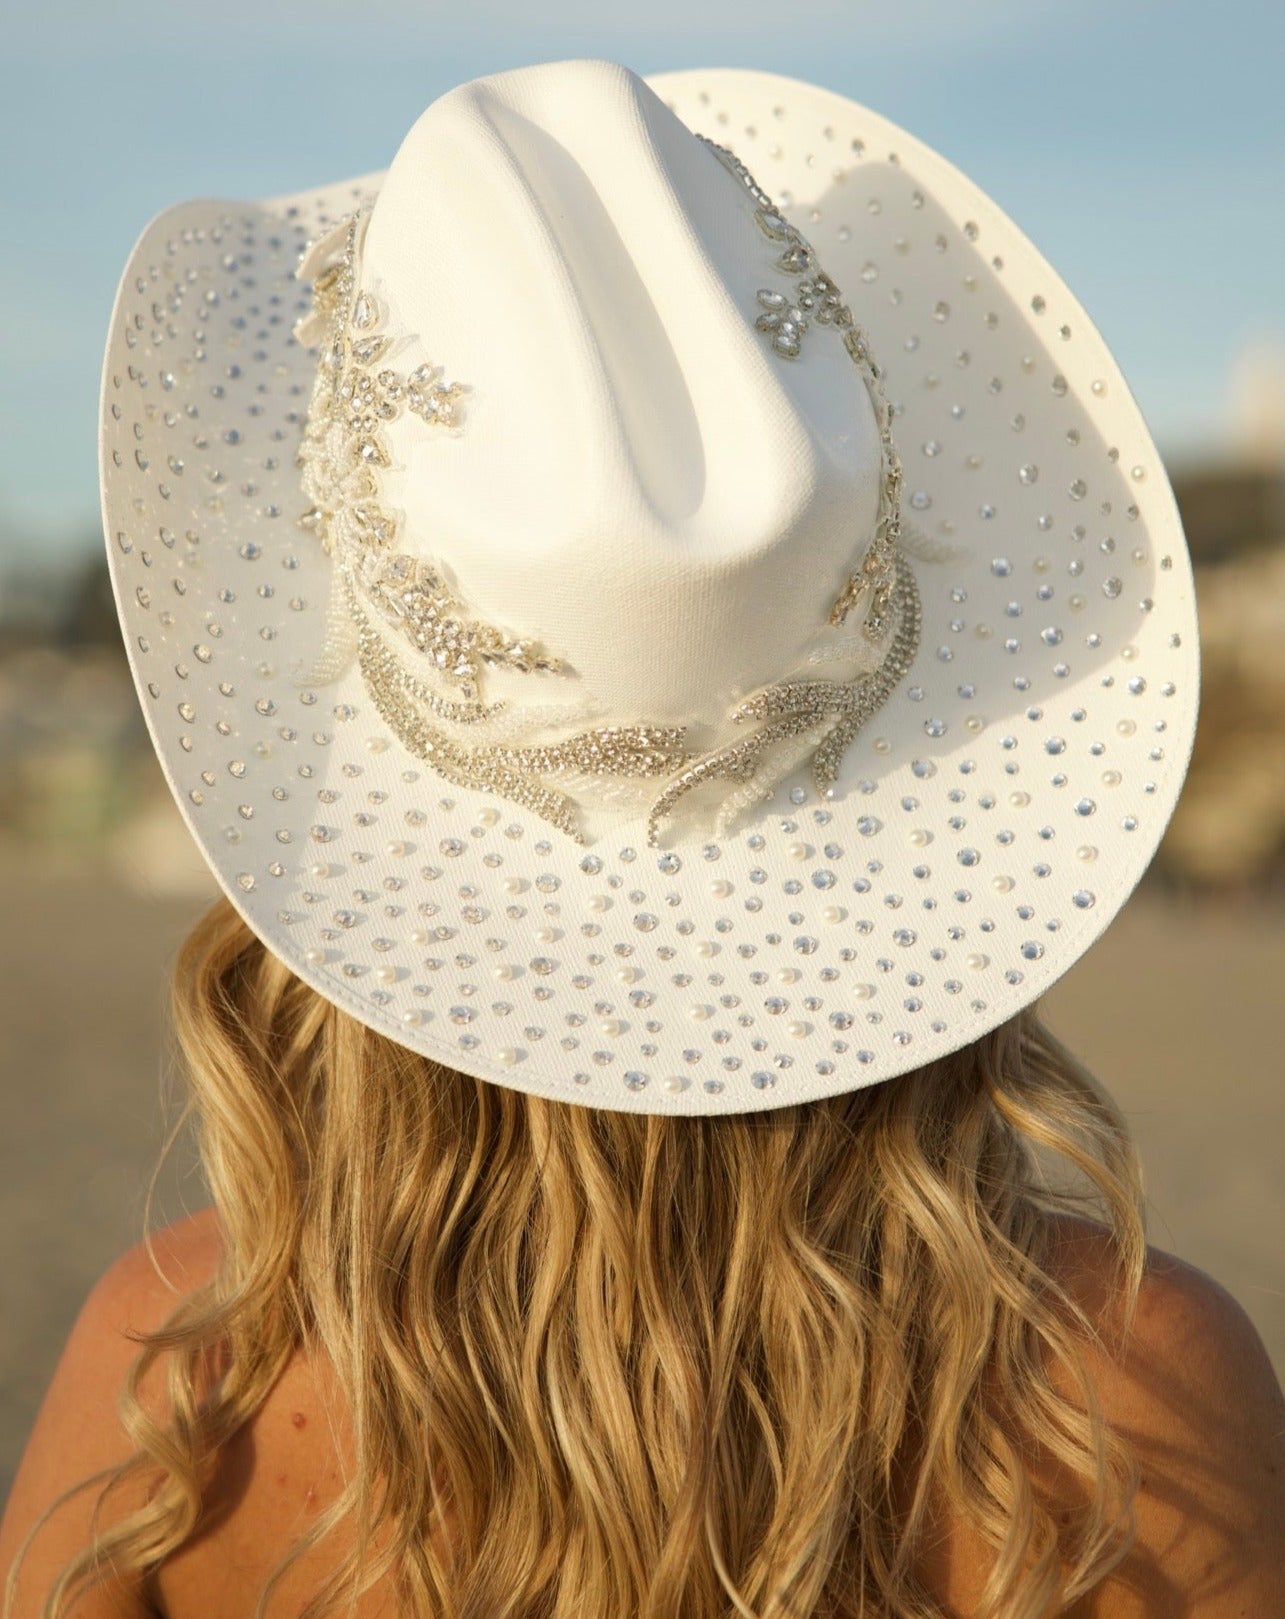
{"type": "Point", "coordinates": [816, 298]}
{"type": "Point", "coordinates": [393, 599]}
{"type": "Point", "coordinates": [339, 457]}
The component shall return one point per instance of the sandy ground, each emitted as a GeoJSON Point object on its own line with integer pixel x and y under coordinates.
{"type": "Point", "coordinates": [1175, 1008]}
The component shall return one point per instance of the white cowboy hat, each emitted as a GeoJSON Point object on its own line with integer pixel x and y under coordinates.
{"type": "Point", "coordinates": [675, 624]}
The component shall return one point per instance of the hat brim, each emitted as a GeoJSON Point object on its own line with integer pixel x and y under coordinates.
{"type": "Point", "coordinates": [986, 827]}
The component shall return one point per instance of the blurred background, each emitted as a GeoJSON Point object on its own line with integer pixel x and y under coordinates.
{"type": "Point", "coordinates": [1139, 144]}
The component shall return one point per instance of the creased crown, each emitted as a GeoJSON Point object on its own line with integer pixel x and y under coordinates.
{"type": "Point", "coordinates": [634, 487]}
{"type": "Point", "coordinates": [641, 483]}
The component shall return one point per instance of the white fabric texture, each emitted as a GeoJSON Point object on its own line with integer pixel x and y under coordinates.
{"type": "Point", "coordinates": [641, 483]}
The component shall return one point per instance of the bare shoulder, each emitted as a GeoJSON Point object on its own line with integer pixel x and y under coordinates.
{"type": "Point", "coordinates": [78, 1432]}
{"type": "Point", "coordinates": [282, 1467]}
{"type": "Point", "coordinates": [1183, 1313]}
{"type": "Point", "coordinates": [1193, 1390]}
{"type": "Point", "coordinates": [139, 1289]}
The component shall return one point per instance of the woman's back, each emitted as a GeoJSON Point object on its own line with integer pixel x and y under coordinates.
{"type": "Point", "coordinates": [1194, 1392]}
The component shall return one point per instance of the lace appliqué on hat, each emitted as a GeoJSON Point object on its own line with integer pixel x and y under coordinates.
{"type": "Point", "coordinates": [388, 603]}
{"type": "Point", "coordinates": [816, 298]}
{"type": "Point", "coordinates": [339, 457]}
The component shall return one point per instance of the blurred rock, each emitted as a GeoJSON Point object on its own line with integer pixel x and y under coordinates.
{"type": "Point", "coordinates": [1229, 827]}
{"type": "Point", "coordinates": [1229, 509]}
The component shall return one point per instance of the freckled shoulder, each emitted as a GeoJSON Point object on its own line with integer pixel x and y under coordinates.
{"type": "Point", "coordinates": [78, 1431]}
{"type": "Point", "coordinates": [1194, 1392]}
{"type": "Point", "coordinates": [283, 1467]}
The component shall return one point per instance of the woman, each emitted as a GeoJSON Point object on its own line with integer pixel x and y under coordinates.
{"type": "Point", "coordinates": [636, 1207]}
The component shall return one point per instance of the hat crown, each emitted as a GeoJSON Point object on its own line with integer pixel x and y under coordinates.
{"type": "Point", "coordinates": [638, 481]}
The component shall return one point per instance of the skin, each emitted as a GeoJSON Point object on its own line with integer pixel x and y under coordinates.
{"type": "Point", "coordinates": [1193, 1389]}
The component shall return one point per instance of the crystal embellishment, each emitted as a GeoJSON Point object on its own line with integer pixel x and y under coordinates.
{"type": "Point", "coordinates": [422, 652]}
{"type": "Point", "coordinates": [340, 455]}
{"type": "Point", "coordinates": [817, 298]}
{"type": "Point", "coordinates": [793, 706]}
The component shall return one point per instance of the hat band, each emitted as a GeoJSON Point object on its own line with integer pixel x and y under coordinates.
{"type": "Point", "coordinates": [386, 598]}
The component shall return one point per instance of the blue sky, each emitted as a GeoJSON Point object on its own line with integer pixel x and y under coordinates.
{"type": "Point", "coordinates": [1138, 143]}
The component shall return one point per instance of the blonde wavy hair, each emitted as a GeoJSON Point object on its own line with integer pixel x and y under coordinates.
{"type": "Point", "coordinates": [704, 1366]}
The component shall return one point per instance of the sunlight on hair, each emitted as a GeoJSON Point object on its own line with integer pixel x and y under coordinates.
{"type": "Point", "coordinates": [699, 1365]}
